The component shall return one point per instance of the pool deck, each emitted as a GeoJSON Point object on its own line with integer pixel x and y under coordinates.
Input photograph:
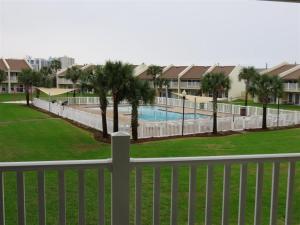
{"type": "Point", "coordinates": [125, 117]}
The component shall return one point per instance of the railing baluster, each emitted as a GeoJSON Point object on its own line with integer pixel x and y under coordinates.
{"type": "Point", "coordinates": [258, 193]}
{"type": "Point", "coordinates": [41, 197]}
{"type": "Point", "coordinates": [209, 195]}
{"type": "Point", "coordinates": [62, 197]}
{"type": "Point", "coordinates": [226, 194]}
{"type": "Point", "coordinates": [289, 195]}
{"type": "Point", "coordinates": [138, 196]}
{"type": "Point", "coordinates": [81, 195]}
{"type": "Point", "coordinates": [2, 207]}
{"type": "Point", "coordinates": [156, 196]}
{"type": "Point", "coordinates": [192, 195]}
{"type": "Point", "coordinates": [274, 193]}
{"type": "Point", "coordinates": [21, 198]}
{"type": "Point", "coordinates": [101, 199]}
{"type": "Point", "coordinates": [242, 194]}
{"type": "Point", "coordinates": [174, 194]}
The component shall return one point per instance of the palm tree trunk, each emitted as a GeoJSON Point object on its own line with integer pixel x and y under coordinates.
{"type": "Point", "coordinates": [246, 98]}
{"type": "Point", "coordinates": [74, 92]}
{"type": "Point", "coordinates": [278, 111]}
{"type": "Point", "coordinates": [103, 107]}
{"type": "Point", "coordinates": [27, 95]}
{"type": "Point", "coordinates": [215, 108]}
{"type": "Point", "coordinates": [134, 121]}
{"type": "Point", "coordinates": [37, 94]}
{"type": "Point", "coordinates": [264, 122]}
{"type": "Point", "coordinates": [116, 114]}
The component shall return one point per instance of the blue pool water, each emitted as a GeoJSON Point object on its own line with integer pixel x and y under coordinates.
{"type": "Point", "coordinates": [155, 113]}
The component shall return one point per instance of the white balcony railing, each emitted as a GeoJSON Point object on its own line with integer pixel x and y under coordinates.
{"type": "Point", "coordinates": [190, 85]}
{"type": "Point", "coordinates": [121, 166]}
{"type": "Point", "coordinates": [173, 85]}
{"type": "Point", "coordinates": [291, 87]}
{"type": "Point", "coordinates": [13, 79]}
{"type": "Point", "coordinates": [64, 81]}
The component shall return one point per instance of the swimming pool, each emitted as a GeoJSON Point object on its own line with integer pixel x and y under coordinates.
{"type": "Point", "coordinates": [156, 113]}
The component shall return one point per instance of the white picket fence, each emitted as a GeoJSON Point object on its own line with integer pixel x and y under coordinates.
{"type": "Point", "coordinates": [88, 119]}
{"type": "Point", "coordinates": [232, 122]}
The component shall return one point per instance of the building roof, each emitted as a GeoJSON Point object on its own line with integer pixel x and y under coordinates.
{"type": "Point", "coordinates": [195, 73]}
{"type": "Point", "coordinates": [223, 69]}
{"type": "Point", "coordinates": [17, 64]}
{"type": "Point", "coordinates": [294, 75]}
{"type": "Point", "coordinates": [173, 72]}
{"type": "Point", "coordinates": [2, 65]}
{"type": "Point", "coordinates": [144, 76]}
{"type": "Point", "coordinates": [63, 72]}
{"type": "Point", "coordinates": [281, 69]}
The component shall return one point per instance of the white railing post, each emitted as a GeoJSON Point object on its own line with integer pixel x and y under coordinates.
{"type": "Point", "coordinates": [120, 179]}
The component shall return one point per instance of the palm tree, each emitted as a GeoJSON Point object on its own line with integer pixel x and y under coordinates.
{"type": "Point", "coordinates": [160, 83]}
{"type": "Point", "coordinates": [84, 80]}
{"type": "Point", "coordinates": [55, 65]}
{"type": "Point", "coordinates": [277, 88]}
{"type": "Point", "coordinates": [262, 87]}
{"type": "Point", "coordinates": [73, 74]}
{"type": "Point", "coordinates": [118, 75]}
{"type": "Point", "coordinates": [44, 79]}
{"type": "Point", "coordinates": [215, 83]}
{"type": "Point", "coordinates": [154, 71]}
{"type": "Point", "coordinates": [98, 80]}
{"type": "Point", "coordinates": [138, 91]}
{"type": "Point", "coordinates": [2, 76]}
{"type": "Point", "coordinates": [29, 78]}
{"type": "Point", "coordinates": [248, 75]}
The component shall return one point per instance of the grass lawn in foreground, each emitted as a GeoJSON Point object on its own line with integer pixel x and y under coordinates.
{"type": "Point", "coordinates": [28, 135]}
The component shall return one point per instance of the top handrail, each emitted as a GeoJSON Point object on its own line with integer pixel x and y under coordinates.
{"type": "Point", "coordinates": [61, 164]}
{"type": "Point", "coordinates": [214, 159]}
{"type": "Point", "coordinates": [170, 161]}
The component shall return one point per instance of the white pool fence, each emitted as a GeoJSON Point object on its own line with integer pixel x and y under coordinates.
{"type": "Point", "coordinates": [231, 122]}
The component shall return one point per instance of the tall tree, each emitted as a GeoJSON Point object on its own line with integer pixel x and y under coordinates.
{"type": "Point", "coordinates": [2, 76]}
{"type": "Point", "coordinates": [73, 74]}
{"type": "Point", "coordinates": [29, 78]}
{"type": "Point", "coordinates": [248, 75]}
{"type": "Point", "coordinates": [161, 83]}
{"type": "Point", "coordinates": [138, 91]}
{"type": "Point", "coordinates": [154, 71]}
{"type": "Point", "coordinates": [44, 79]}
{"type": "Point", "coordinates": [118, 76]}
{"type": "Point", "coordinates": [55, 65]}
{"type": "Point", "coordinates": [277, 89]}
{"type": "Point", "coordinates": [98, 80]}
{"type": "Point", "coordinates": [262, 87]}
{"type": "Point", "coordinates": [215, 83]}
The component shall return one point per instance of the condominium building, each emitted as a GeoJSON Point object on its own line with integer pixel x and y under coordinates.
{"type": "Point", "coordinates": [189, 78]}
{"type": "Point", "coordinates": [38, 63]}
{"type": "Point", "coordinates": [12, 68]}
{"type": "Point", "coordinates": [63, 82]}
{"type": "Point", "coordinates": [66, 61]}
{"type": "Point", "coordinates": [290, 73]}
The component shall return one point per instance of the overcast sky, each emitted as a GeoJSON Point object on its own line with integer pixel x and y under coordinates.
{"type": "Point", "coordinates": [245, 32]}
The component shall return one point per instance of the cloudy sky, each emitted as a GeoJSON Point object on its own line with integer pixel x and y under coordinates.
{"type": "Point", "coordinates": [245, 32]}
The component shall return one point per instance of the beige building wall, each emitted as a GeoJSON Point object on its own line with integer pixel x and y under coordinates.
{"type": "Point", "coordinates": [237, 87]}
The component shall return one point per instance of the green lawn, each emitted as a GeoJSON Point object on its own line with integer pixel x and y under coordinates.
{"type": "Point", "coordinates": [28, 135]}
{"type": "Point", "coordinates": [251, 103]}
